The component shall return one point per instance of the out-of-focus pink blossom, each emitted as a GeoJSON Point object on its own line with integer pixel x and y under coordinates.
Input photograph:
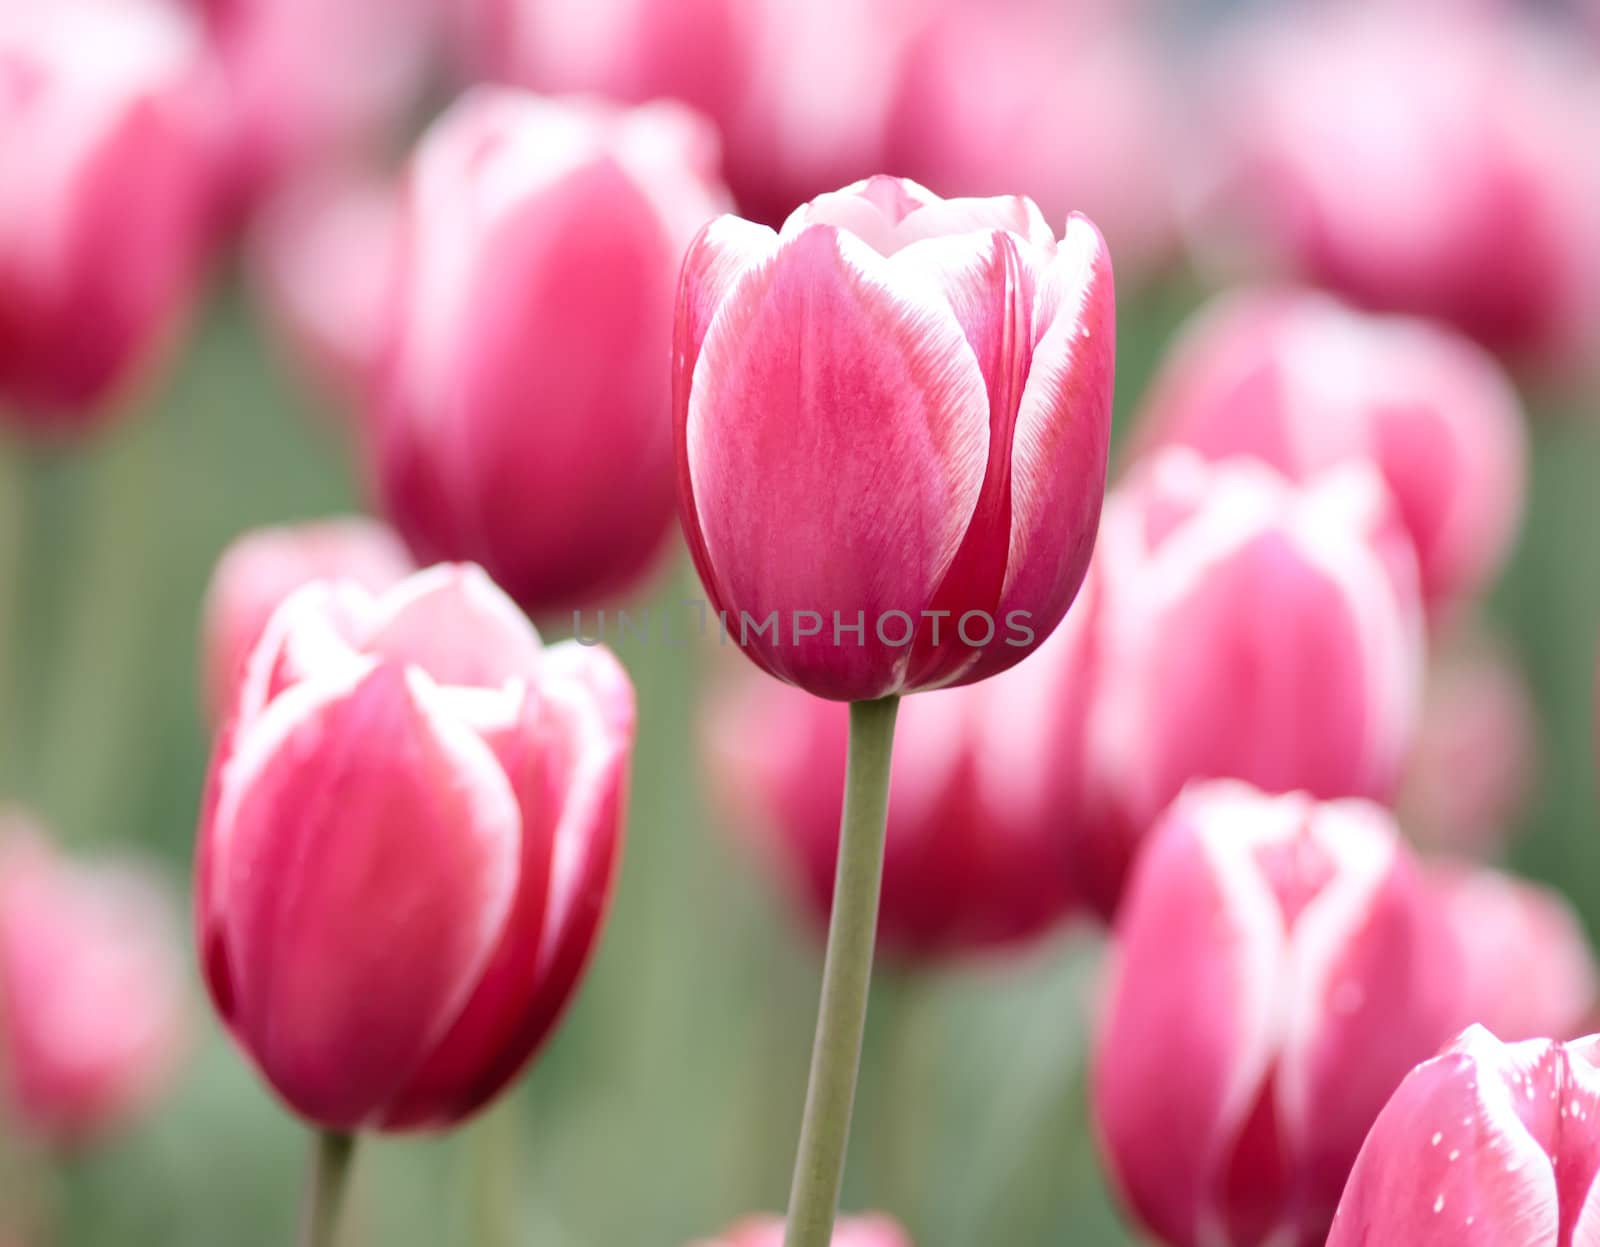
{"type": "Point", "coordinates": [1279, 967]}
{"type": "Point", "coordinates": [1529, 971]}
{"type": "Point", "coordinates": [408, 846]}
{"type": "Point", "coordinates": [865, 1231]}
{"type": "Point", "coordinates": [92, 1014]}
{"type": "Point", "coordinates": [107, 145]}
{"type": "Point", "coordinates": [1304, 383]}
{"type": "Point", "coordinates": [1427, 161]}
{"type": "Point", "coordinates": [1235, 624]}
{"type": "Point", "coordinates": [265, 566]}
{"type": "Point", "coordinates": [522, 410]}
{"type": "Point", "coordinates": [1486, 1145]}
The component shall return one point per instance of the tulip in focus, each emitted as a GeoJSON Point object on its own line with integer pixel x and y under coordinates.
{"type": "Point", "coordinates": [260, 569]}
{"type": "Point", "coordinates": [866, 1231]}
{"type": "Point", "coordinates": [1279, 968]}
{"type": "Point", "coordinates": [1489, 1144]}
{"type": "Point", "coordinates": [523, 411]}
{"type": "Point", "coordinates": [106, 147]}
{"type": "Point", "coordinates": [92, 1015]}
{"type": "Point", "coordinates": [407, 846]}
{"type": "Point", "coordinates": [892, 421]}
{"type": "Point", "coordinates": [1298, 380]}
{"type": "Point", "coordinates": [1239, 625]}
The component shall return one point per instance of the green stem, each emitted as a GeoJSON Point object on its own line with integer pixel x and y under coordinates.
{"type": "Point", "coordinates": [492, 1154]}
{"type": "Point", "coordinates": [13, 546]}
{"type": "Point", "coordinates": [846, 978]}
{"type": "Point", "coordinates": [329, 1179]}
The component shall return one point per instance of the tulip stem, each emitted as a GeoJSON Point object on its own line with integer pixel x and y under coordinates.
{"type": "Point", "coordinates": [329, 1179]}
{"type": "Point", "coordinates": [846, 978]}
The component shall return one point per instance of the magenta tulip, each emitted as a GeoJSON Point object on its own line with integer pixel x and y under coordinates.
{"type": "Point", "coordinates": [1487, 1145]}
{"type": "Point", "coordinates": [106, 150]}
{"type": "Point", "coordinates": [1298, 380]}
{"type": "Point", "coordinates": [869, 1231]}
{"type": "Point", "coordinates": [92, 1010]}
{"type": "Point", "coordinates": [523, 413]}
{"type": "Point", "coordinates": [892, 420]}
{"type": "Point", "coordinates": [265, 566]}
{"type": "Point", "coordinates": [408, 846]}
{"type": "Point", "coordinates": [1279, 968]}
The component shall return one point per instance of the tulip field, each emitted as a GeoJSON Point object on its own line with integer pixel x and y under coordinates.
{"type": "Point", "coordinates": [888, 623]}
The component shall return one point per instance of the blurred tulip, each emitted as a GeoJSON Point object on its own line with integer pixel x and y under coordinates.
{"type": "Point", "coordinates": [1304, 383]}
{"type": "Point", "coordinates": [974, 854]}
{"type": "Point", "coordinates": [1486, 1145]}
{"type": "Point", "coordinates": [408, 846]}
{"type": "Point", "coordinates": [1435, 162]}
{"type": "Point", "coordinates": [265, 566]}
{"type": "Point", "coordinates": [92, 1018]}
{"type": "Point", "coordinates": [893, 417]}
{"type": "Point", "coordinates": [1236, 625]}
{"type": "Point", "coordinates": [980, 104]}
{"type": "Point", "coordinates": [1278, 970]}
{"type": "Point", "coordinates": [869, 1231]}
{"type": "Point", "coordinates": [106, 144]}
{"type": "Point", "coordinates": [523, 414]}
{"type": "Point", "coordinates": [1529, 969]}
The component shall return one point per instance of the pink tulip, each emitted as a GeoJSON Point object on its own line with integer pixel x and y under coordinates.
{"type": "Point", "coordinates": [974, 856]}
{"type": "Point", "coordinates": [106, 143]}
{"type": "Point", "coordinates": [265, 566]}
{"type": "Point", "coordinates": [1235, 625]}
{"type": "Point", "coordinates": [868, 1231]}
{"type": "Point", "coordinates": [1529, 969]}
{"type": "Point", "coordinates": [1486, 1145]}
{"type": "Point", "coordinates": [1427, 161]}
{"type": "Point", "coordinates": [1304, 383]}
{"type": "Point", "coordinates": [523, 412]}
{"type": "Point", "coordinates": [1278, 970]}
{"type": "Point", "coordinates": [408, 846]}
{"type": "Point", "coordinates": [92, 1017]}
{"type": "Point", "coordinates": [893, 416]}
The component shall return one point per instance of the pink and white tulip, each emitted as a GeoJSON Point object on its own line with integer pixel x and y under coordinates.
{"type": "Point", "coordinates": [865, 1231]}
{"type": "Point", "coordinates": [390, 959]}
{"type": "Point", "coordinates": [1279, 967]}
{"type": "Point", "coordinates": [522, 412]}
{"type": "Point", "coordinates": [1304, 383]}
{"type": "Point", "coordinates": [894, 412]}
{"type": "Point", "coordinates": [1487, 1145]}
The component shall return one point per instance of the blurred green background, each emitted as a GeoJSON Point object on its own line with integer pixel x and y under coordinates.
{"type": "Point", "coordinates": [668, 1103]}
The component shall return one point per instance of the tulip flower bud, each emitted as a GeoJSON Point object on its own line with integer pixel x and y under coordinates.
{"type": "Point", "coordinates": [1237, 625]}
{"type": "Point", "coordinates": [260, 569]}
{"type": "Point", "coordinates": [892, 420]}
{"type": "Point", "coordinates": [92, 1017]}
{"type": "Point", "coordinates": [973, 858]}
{"type": "Point", "coordinates": [407, 846]}
{"type": "Point", "coordinates": [1279, 967]}
{"type": "Point", "coordinates": [523, 414]}
{"type": "Point", "coordinates": [1486, 1145]}
{"type": "Point", "coordinates": [1529, 971]}
{"type": "Point", "coordinates": [867, 1231]}
{"type": "Point", "coordinates": [106, 141]}
{"type": "Point", "coordinates": [1298, 380]}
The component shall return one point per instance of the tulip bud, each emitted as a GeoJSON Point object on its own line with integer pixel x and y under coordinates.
{"type": "Point", "coordinates": [92, 1016]}
{"type": "Point", "coordinates": [892, 420]}
{"type": "Point", "coordinates": [265, 566]}
{"type": "Point", "coordinates": [408, 845]}
{"type": "Point", "coordinates": [866, 1231]}
{"type": "Point", "coordinates": [1278, 970]}
{"type": "Point", "coordinates": [1300, 381]}
{"type": "Point", "coordinates": [524, 421]}
{"type": "Point", "coordinates": [1237, 625]}
{"type": "Point", "coordinates": [1486, 1145]}
{"type": "Point", "coordinates": [1529, 971]}
{"type": "Point", "coordinates": [105, 188]}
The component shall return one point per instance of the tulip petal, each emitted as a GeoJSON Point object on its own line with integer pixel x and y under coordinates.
{"type": "Point", "coordinates": [456, 624]}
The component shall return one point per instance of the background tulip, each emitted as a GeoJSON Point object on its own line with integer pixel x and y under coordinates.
{"type": "Point", "coordinates": [523, 417]}
{"type": "Point", "coordinates": [920, 388]}
{"type": "Point", "coordinates": [1486, 1145]}
{"type": "Point", "coordinates": [391, 960]}
{"type": "Point", "coordinates": [92, 1018]}
{"type": "Point", "coordinates": [1278, 969]}
{"type": "Point", "coordinates": [105, 191]}
{"type": "Point", "coordinates": [851, 1232]}
{"type": "Point", "coordinates": [1298, 380]}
